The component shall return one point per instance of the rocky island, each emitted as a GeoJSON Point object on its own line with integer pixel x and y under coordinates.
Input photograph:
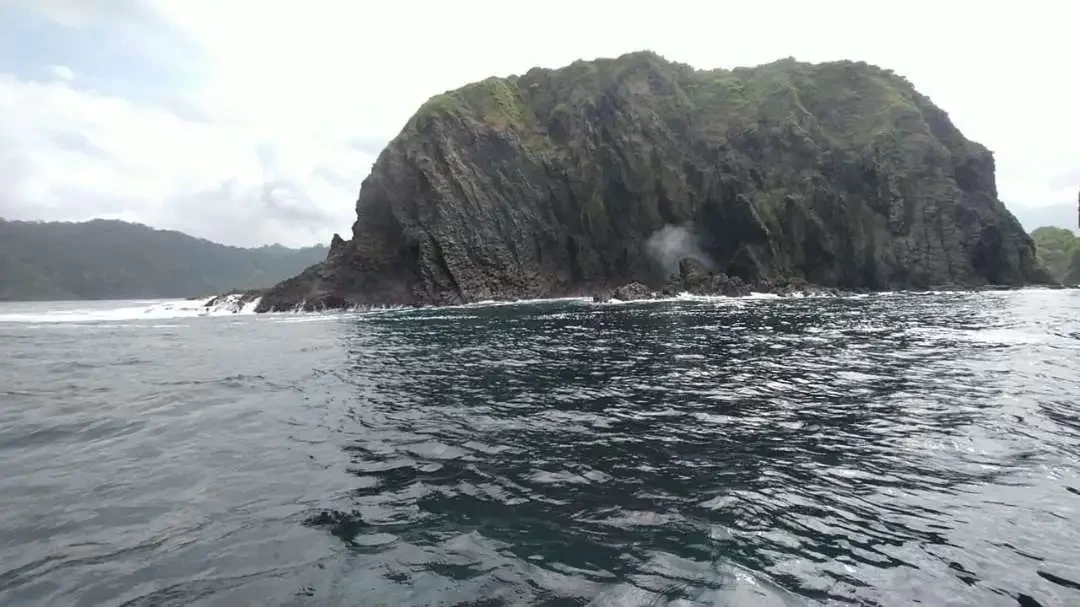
{"type": "Point", "coordinates": [641, 174]}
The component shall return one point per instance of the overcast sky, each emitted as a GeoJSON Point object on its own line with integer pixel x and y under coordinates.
{"type": "Point", "coordinates": [251, 122]}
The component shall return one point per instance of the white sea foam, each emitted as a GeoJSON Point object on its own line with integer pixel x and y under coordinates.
{"type": "Point", "coordinates": [685, 296]}
{"type": "Point", "coordinates": [99, 312]}
{"type": "Point", "coordinates": [518, 302]}
{"type": "Point", "coordinates": [135, 310]}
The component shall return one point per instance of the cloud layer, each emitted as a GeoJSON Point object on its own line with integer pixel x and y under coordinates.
{"type": "Point", "coordinates": [252, 122]}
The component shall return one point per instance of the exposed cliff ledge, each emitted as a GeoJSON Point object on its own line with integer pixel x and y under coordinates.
{"type": "Point", "coordinates": [552, 183]}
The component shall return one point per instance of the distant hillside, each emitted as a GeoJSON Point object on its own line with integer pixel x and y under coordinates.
{"type": "Point", "coordinates": [1059, 250]}
{"type": "Point", "coordinates": [117, 260]}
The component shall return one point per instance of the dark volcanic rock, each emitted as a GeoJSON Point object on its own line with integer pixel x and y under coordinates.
{"type": "Point", "coordinates": [551, 183]}
{"type": "Point", "coordinates": [695, 277]}
{"type": "Point", "coordinates": [337, 245]}
{"type": "Point", "coordinates": [632, 291]}
{"type": "Point", "coordinates": [732, 287]}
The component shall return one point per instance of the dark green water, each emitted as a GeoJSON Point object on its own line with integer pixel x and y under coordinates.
{"type": "Point", "coordinates": [883, 450]}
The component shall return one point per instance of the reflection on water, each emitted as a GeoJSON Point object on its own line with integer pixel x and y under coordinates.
{"type": "Point", "coordinates": [885, 450]}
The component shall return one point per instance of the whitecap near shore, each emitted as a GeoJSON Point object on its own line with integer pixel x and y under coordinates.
{"type": "Point", "coordinates": [129, 310]}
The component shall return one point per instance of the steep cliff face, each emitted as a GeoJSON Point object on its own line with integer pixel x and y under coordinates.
{"type": "Point", "coordinates": [553, 182]}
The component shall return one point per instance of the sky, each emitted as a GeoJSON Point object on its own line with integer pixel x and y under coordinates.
{"type": "Point", "coordinates": [251, 122]}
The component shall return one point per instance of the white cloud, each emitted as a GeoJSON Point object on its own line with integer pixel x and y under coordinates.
{"type": "Point", "coordinates": [301, 96]}
{"type": "Point", "coordinates": [75, 154]}
{"type": "Point", "coordinates": [80, 13]}
{"type": "Point", "coordinates": [62, 72]}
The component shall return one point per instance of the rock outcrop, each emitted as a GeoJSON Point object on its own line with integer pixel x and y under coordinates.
{"type": "Point", "coordinates": [552, 183]}
{"type": "Point", "coordinates": [234, 301]}
{"type": "Point", "coordinates": [632, 291]}
{"type": "Point", "coordinates": [695, 278]}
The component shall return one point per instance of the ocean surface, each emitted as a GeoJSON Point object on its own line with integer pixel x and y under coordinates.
{"type": "Point", "coordinates": [893, 449]}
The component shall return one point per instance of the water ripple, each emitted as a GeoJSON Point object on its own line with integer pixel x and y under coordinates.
{"type": "Point", "coordinates": [884, 450]}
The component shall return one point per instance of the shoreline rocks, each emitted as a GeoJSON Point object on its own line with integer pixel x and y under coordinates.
{"type": "Point", "coordinates": [694, 277]}
{"type": "Point", "coordinates": [632, 291]}
{"type": "Point", "coordinates": [233, 301]}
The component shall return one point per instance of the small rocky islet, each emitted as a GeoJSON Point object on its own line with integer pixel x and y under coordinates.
{"type": "Point", "coordinates": [788, 177]}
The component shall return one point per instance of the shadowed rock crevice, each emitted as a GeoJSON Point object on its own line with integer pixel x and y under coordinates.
{"type": "Point", "coordinates": [553, 182]}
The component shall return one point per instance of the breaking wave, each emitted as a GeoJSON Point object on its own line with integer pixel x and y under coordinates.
{"type": "Point", "coordinates": [114, 311]}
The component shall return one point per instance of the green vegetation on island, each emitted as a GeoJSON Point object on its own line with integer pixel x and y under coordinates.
{"type": "Point", "coordinates": [1059, 251]}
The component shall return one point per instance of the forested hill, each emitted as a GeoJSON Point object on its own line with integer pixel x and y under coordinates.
{"type": "Point", "coordinates": [1059, 251]}
{"type": "Point", "coordinates": [116, 260]}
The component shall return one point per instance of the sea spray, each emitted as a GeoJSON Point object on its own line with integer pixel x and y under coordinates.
{"type": "Point", "coordinates": [672, 243]}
